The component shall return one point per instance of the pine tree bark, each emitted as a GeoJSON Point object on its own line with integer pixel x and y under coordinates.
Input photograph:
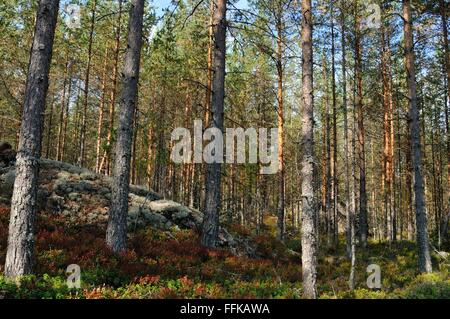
{"type": "Point", "coordinates": [19, 256]}
{"type": "Point", "coordinates": [387, 183]}
{"type": "Point", "coordinates": [280, 119]}
{"type": "Point", "coordinates": [328, 166]}
{"type": "Point", "coordinates": [63, 107]}
{"type": "Point", "coordinates": [86, 86]}
{"type": "Point", "coordinates": [363, 224]}
{"type": "Point", "coordinates": [309, 235]}
{"type": "Point", "coordinates": [416, 156]}
{"type": "Point", "coordinates": [117, 219]}
{"type": "Point", "coordinates": [49, 130]}
{"type": "Point", "coordinates": [207, 111]}
{"type": "Point", "coordinates": [106, 159]}
{"type": "Point", "coordinates": [66, 115]}
{"type": "Point", "coordinates": [346, 133]}
{"type": "Point", "coordinates": [210, 228]}
{"type": "Point", "coordinates": [101, 111]}
{"type": "Point", "coordinates": [446, 112]}
{"type": "Point", "coordinates": [334, 168]}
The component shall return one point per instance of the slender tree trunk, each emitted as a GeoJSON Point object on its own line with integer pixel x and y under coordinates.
{"type": "Point", "coordinates": [324, 189]}
{"type": "Point", "coordinates": [101, 111]}
{"type": "Point", "coordinates": [309, 236]}
{"type": "Point", "coordinates": [280, 120]}
{"type": "Point", "coordinates": [353, 208]}
{"type": "Point", "coordinates": [19, 255]}
{"type": "Point", "coordinates": [86, 87]}
{"type": "Point", "coordinates": [66, 114]}
{"type": "Point", "coordinates": [207, 111]}
{"type": "Point", "coordinates": [387, 139]}
{"type": "Point", "coordinates": [446, 111]}
{"type": "Point", "coordinates": [49, 130]}
{"type": "Point", "coordinates": [134, 147]}
{"type": "Point", "coordinates": [334, 168]}
{"type": "Point", "coordinates": [210, 227]}
{"type": "Point", "coordinates": [409, 194]}
{"type": "Point", "coordinates": [63, 107]}
{"type": "Point", "coordinates": [106, 159]}
{"type": "Point", "coordinates": [353, 183]}
{"type": "Point", "coordinates": [421, 217]}
{"type": "Point", "coordinates": [346, 132]}
{"type": "Point", "coordinates": [117, 219]}
{"type": "Point", "coordinates": [363, 225]}
{"type": "Point", "coordinates": [328, 184]}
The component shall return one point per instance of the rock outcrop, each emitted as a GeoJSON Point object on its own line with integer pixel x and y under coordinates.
{"type": "Point", "coordinates": [83, 197]}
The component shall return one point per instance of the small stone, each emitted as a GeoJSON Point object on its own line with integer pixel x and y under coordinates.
{"type": "Point", "coordinates": [74, 196]}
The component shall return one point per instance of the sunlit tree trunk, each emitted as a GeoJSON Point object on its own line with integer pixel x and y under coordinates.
{"type": "Point", "coordinates": [416, 157]}
{"type": "Point", "coordinates": [346, 131]}
{"type": "Point", "coordinates": [106, 159]}
{"type": "Point", "coordinates": [446, 112]}
{"type": "Point", "coordinates": [334, 167]}
{"type": "Point", "coordinates": [210, 228]}
{"type": "Point", "coordinates": [117, 218]}
{"type": "Point", "coordinates": [63, 107]}
{"type": "Point", "coordinates": [101, 111]}
{"type": "Point", "coordinates": [81, 158]}
{"type": "Point", "coordinates": [280, 121]}
{"type": "Point", "coordinates": [308, 240]}
{"type": "Point", "coordinates": [20, 250]}
{"type": "Point", "coordinates": [363, 223]}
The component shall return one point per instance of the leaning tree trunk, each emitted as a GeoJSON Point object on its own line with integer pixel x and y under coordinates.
{"type": "Point", "coordinates": [19, 256]}
{"type": "Point", "coordinates": [416, 156]}
{"type": "Point", "coordinates": [309, 253]}
{"type": "Point", "coordinates": [117, 220]}
{"type": "Point", "coordinates": [213, 171]}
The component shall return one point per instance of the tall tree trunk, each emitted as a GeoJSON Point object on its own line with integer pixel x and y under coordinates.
{"type": "Point", "coordinates": [346, 132]}
{"type": "Point", "coordinates": [416, 156]}
{"type": "Point", "coordinates": [280, 120]}
{"type": "Point", "coordinates": [49, 130]}
{"type": "Point", "coordinates": [334, 170]}
{"type": "Point", "coordinates": [19, 255]}
{"type": "Point", "coordinates": [101, 111]}
{"type": "Point", "coordinates": [309, 236]}
{"type": "Point", "coordinates": [352, 211]}
{"type": "Point", "coordinates": [86, 86]}
{"type": "Point", "coordinates": [409, 194]}
{"type": "Point", "coordinates": [134, 147]}
{"type": "Point", "coordinates": [117, 219]}
{"type": "Point", "coordinates": [63, 107]}
{"type": "Point", "coordinates": [387, 183]}
{"type": "Point", "coordinates": [363, 225]}
{"type": "Point", "coordinates": [66, 114]}
{"type": "Point", "coordinates": [207, 110]}
{"type": "Point", "coordinates": [210, 227]}
{"type": "Point", "coordinates": [446, 111]}
{"type": "Point", "coordinates": [328, 184]}
{"type": "Point", "coordinates": [106, 159]}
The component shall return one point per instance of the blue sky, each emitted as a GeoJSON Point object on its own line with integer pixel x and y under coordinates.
{"type": "Point", "coordinates": [160, 5]}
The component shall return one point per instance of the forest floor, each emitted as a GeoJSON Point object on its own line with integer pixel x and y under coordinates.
{"type": "Point", "coordinates": [165, 259]}
{"type": "Point", "coordinates": [165, 264]}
